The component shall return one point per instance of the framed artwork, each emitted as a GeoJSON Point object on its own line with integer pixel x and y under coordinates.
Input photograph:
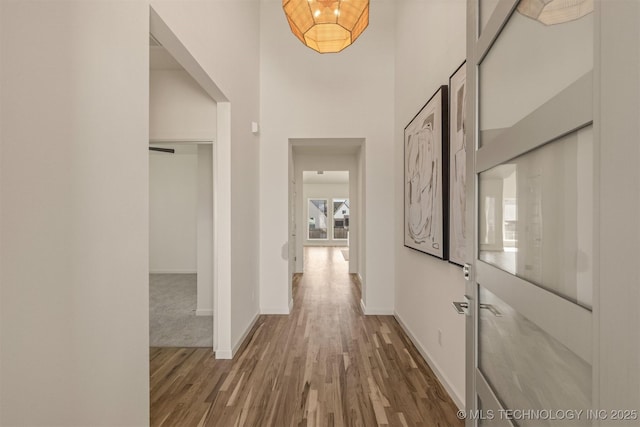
{"type": "Point", "coordinates": [457, 166]}
{"type": "Point", "coordinates": [426, 159]}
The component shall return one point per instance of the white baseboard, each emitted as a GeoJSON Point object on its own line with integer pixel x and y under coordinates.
{"type": "Point", "coordinates": [290, 305]}
{"type": "Point", "coordinates": [283, 310]}
{"type": "Point", "coordinates": [379, 312]}
{"type": "Point", "coordinates": [375, 311]}
{"type": "Point", "coordinates": [457, 399]}
{"type": "Point", "coordinates": [173, 272]}
{"type": "Point", "coordinates": [226, 354]}
{"type": "Point", "coordinates": [204, 312]}
{"type": "Point", "coordinates": [244, 335]}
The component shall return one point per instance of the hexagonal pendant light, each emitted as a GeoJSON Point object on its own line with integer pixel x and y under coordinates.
{"type": "Point", "coordinates": [327, 26]}
{"type": "Point", "coordinates": [552, 12]}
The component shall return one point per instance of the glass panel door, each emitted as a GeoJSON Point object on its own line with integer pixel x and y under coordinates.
{"type": "Point", "coordinates": [531, 288]}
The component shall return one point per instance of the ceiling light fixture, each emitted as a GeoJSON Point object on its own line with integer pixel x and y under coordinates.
{"type": "Point", "coordinates": [327, 26]}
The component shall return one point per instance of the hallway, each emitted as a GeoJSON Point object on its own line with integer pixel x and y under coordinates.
{"type": "Point", "coordinates": [325, 364]}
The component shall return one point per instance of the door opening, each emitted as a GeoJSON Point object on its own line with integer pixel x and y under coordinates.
{"type": "Point", "coordinates": [325, 198]}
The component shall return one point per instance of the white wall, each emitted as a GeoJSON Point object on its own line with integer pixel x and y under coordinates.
{"type": "Point", "coordinates": [179, 108]}
{"type": "Point", "coordinates": [173, 205]}
{"type": "Point", "coordinates": [430, 45]}
{"type": "Point", "coordinates": [328, 192]}
{"type": "Point", "coordinates": [308, 95]}
{"type": "Point", "coordinates": [361, 191]}
{"type": "Point", "coordinates": [204, 27]}
{"type": "Point", "coordinates": [78, 108]}
{"type": "Point", "coordinates": [74, 221]}
{"type": "Point", "coordinates": [617, 132]}
{"type": "Point", "coordinates": [1, 143]}
{"type": "Point", "coordinates": [205, 230]}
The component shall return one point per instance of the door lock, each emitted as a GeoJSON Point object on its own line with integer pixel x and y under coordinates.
{"type": "Point", "coordinates": [466, 270]}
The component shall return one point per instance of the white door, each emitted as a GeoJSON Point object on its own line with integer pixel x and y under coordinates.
{"type": "Point", "coordinates": [530, 290]}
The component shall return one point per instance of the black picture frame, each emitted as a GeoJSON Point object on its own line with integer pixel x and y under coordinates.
{"type": "Point", "coordinates": [458, 228]}
{"type": "Point", "coordinates": [426, 177]}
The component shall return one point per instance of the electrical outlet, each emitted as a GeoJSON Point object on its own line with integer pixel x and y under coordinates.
{"type": "Point", "coordinates": [440, 337]}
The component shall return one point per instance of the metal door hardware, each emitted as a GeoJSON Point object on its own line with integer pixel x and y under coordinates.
{"type": "Point", "coordinates": [466, 270]}
{"type": "Point", "coordinates": [492, 309]}
{"type": "Point", "coordinates": [463, 308]}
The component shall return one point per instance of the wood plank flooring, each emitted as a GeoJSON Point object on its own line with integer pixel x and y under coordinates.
{"type": "Point", "coordinates": [326, 364]}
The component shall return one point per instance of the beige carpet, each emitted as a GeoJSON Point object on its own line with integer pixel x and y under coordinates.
{"type": "Point", "coordinates": [172, 313]}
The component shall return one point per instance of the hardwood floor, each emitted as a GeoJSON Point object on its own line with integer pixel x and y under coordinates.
{"type": "Point", "coordinates": [326, 364]}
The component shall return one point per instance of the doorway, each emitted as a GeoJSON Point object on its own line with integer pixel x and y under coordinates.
{"type": "Point", "coordinates": [183, 125]}
{"type": "Point", "coordinates": [326, 208]}
{"type": "Point", "coordinates": [180, 242]}
{"type": "Point", "coordinates": [326, 194]}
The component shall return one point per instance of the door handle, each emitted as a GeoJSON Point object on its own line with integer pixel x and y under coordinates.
{"type": "Point", "coordinates": [461, 307]}
{"type": "Point", "coordinates": [492, 309]}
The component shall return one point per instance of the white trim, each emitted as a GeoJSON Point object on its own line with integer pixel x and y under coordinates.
{"type": "Point", "coordinates": [204, 312]}
{"type": "Point", "coordinates": [239, 343]}
{"type": "Point", "coordinates": [282, 310]}
{"type": "Point", "coordinates": [375, 311]}
{"type": "Point", "coordinates": [457, 399]}
{"type": "Point", "coordinates": [290, 305]}
{"type": "Point", "coordinates": [173, 272]}
{"type": "Point", "coordinates": [223, 354]}
{"type": "Point", "coordinates": [177, 139]}
{"type": "Point", "coordinates": [379, 311]}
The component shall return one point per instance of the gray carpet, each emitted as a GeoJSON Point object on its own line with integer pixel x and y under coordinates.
{"type": "Point", "coordinates": [172, 313]}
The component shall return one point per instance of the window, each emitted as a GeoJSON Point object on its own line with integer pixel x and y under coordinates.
{"type": "Point", "coordinates": [340, 218]}
{"type": "Point", "coordinates": [317, 227]}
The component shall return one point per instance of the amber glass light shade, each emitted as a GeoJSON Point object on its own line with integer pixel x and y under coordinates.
{"type": "Point", "coordinates": [327, 26]}
{"type": "Point", "coordinates": [553, 12]}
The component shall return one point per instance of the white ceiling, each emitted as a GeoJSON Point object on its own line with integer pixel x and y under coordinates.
{"type": "Point", "coordinates": [328, 177]}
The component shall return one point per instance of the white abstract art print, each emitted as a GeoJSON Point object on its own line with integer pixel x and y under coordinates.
{"type": "Point", "coordinates": [426, 178]}
{"type": "Point", "coordinates": [458, 165]}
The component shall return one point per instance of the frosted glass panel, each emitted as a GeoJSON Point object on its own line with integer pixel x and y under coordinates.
{"type": "Point", "coordinates": [529, 64]}
{"type": "Point", "coordinates": [536, 216]}
{"type": "Point", "coordinates": [527, 368]}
